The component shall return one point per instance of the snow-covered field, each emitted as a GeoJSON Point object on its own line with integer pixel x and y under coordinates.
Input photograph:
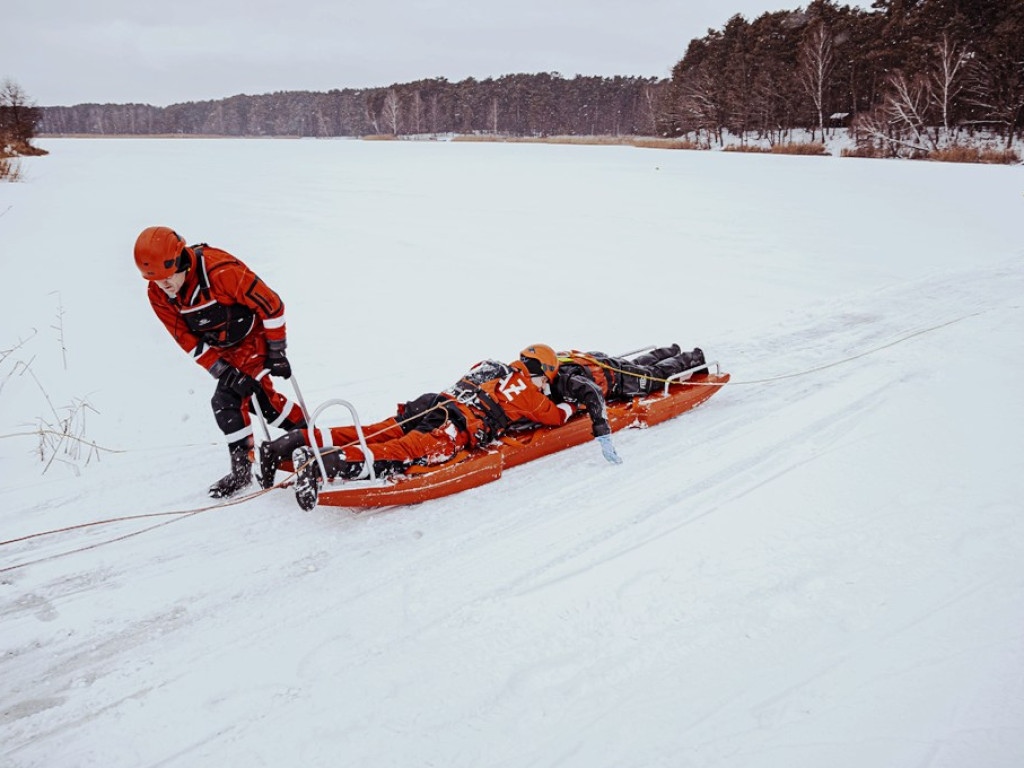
{"type": "Point", "coordinates": [819, 567]}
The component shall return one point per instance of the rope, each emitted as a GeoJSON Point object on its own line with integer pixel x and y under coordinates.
{"type": "Point", "coordinates": [574, 355]}
{"type": "Point", "coordinates": [582, 356]}
{"type": "Point", "coordinates": [90, 546]}
{"type": "Point", "coordinates": [182, 514]}
{"type": "Point", "coordinates": [859, 355]}
{"type": "Point", "coordinates": [325, 450]}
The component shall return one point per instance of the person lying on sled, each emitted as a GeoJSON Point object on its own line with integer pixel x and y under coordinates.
{"type": "Point", "coordinates": [590, 379]}
{"type": "Point", "coordinates": [481, 407]}
{"type": "Point", "coordinates": [433, 428]}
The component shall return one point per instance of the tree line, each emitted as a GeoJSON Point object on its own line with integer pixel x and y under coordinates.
{"type": "Point", "coordinates": [518, 105]}
{"type": "Point", "coordinates": [910, 75]}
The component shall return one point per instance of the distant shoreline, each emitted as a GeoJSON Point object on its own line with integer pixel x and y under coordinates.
{"type": "Point", "coordinates": [161, 136]}
{"type": "Point", "coordinates": [838, 144]}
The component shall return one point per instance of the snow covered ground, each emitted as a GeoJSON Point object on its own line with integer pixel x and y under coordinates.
{"type": "Point", "coordinates": [818, 567]}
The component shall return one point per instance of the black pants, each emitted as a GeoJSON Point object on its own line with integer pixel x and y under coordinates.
{"type": "Point", "coordinates": [647, 373]}
{"type": "Point", "coordinates": [228, 410]}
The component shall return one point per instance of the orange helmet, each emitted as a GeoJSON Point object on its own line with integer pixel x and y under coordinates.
{"type": "Point", "coordinates": [540, 360]}
{"type": "Point", "coordinates": [159, 253]}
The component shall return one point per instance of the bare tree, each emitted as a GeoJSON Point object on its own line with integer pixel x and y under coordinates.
{"type": "Point", "coordinates": [417, 112]}
{"type": "Point", "coordinates": [917, 114]}
{"type": "Point", "coordinates": [435, 113]}
{"type": "Point", "coordinates": [900, 122]}
{"type": "Point", "coordinates": [815, 69]}
{"type": "Point", "coordinates": [947, 79]}
{"type": "Point", "coordinates": [18, 117]}
{"type": "Point", "coordinates": [700, 105]}
{"type": "Point", "coordinates": [997, 89]}
{"type": "Point", "coordinates": [391, 111]}
{"type": "Point", "coordinates": [372, 111]}
{"type": "Point", "coordinates": [649, 97]}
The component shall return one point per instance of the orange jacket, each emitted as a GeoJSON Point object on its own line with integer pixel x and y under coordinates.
{"type": "Point", "coordinates": [520, 400]}
{"type": "Point", "coordinates": [221, 303]}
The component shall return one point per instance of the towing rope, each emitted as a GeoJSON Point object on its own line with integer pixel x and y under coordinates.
{"type": "Point", "coordinates": [583, 356]}
{"type": "Point", "coordinates": [182, 514]}
{"type": "Point", "coordinates": [179, 514]}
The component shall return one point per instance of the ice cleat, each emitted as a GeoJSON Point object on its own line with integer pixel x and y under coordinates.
{"type": "Point", "coordinates": [307, 477]}
{"type": "Point", "coordinates": [276, 451]}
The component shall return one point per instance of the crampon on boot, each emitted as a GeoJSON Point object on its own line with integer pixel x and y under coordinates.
{"type": "Point", "coordinates": [307, 477]}
{"type": "Point", "coordinates": [274, 452]}
{"type": "Point", "coordinates": [238, 478]}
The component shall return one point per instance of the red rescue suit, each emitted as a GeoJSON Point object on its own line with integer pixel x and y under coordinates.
{"type": "Point", "coordinates": [223, 316]}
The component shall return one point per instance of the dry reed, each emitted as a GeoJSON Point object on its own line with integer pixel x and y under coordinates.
{"type": "Point", "coordinates": [960, 154]}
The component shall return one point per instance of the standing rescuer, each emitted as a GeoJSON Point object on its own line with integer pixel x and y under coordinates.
{"type": "Point", "coordinates": [232, 324]}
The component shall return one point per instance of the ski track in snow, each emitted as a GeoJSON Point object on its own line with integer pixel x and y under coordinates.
{"type": "Point", "coordinates": [815, 570]}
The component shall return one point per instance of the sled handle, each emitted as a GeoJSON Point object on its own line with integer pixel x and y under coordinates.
{"type": "Point", "coordinates": [300, 398]}
{"type": "Point", "coordinates": [260, 419]}
{"type": "Point", "coordinates": [678, 377]}
{"type": "Point", "coordinates": [311, 422]}
{"type": "Point", "coordinates": [259, 413]}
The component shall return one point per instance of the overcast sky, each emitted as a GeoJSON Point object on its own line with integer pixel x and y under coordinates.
{"type": "Point", "coordinates": [64, 52]}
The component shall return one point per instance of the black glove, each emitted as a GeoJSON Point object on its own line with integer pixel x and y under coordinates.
{"type": "Point", "coordinates": [275, 361]}
{"type": "Point", "coordinates": [278, 364]}
{"type": "Point", "coordinates": [242, 383]}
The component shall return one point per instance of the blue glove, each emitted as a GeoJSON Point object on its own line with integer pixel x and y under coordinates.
{"type": "Point", "coordinates": [608, 449]}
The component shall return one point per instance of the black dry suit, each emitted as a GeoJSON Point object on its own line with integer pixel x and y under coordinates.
{"type": "Point", "coordinates": [592, 378]}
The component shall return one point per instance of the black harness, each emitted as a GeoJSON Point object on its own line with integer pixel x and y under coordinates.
{"type": "Point", "coordinates": [424, 415]}
{"type": "Point", "coordinates": [468, 392]}
{"type": "Point", "coordinates": [215, 325]}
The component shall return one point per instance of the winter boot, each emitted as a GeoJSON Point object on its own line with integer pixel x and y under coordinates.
{"type": "Point", "coordinates": [671, 367]}
{"type": "Point", "coordinates": [656, 355]}
{"type": "Point", "coordinates": [276, 451]}
{"type": "Point", "coordinates": [337, 466]}
{"type": "Point", "coordinates": [307, 473]}
{"type": "Point", "coordinates": [684, 361]}
{"type": "Point", "coordinates": [696, 360]}
{"type": "Point", "coordinates": [238, 478]}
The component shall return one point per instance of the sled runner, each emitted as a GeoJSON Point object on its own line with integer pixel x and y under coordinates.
{"type": "Point", "coordinates": [473, 468]}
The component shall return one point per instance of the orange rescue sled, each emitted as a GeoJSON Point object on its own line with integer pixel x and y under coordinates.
{"type": "Point", "coordinates": [470, 469]}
